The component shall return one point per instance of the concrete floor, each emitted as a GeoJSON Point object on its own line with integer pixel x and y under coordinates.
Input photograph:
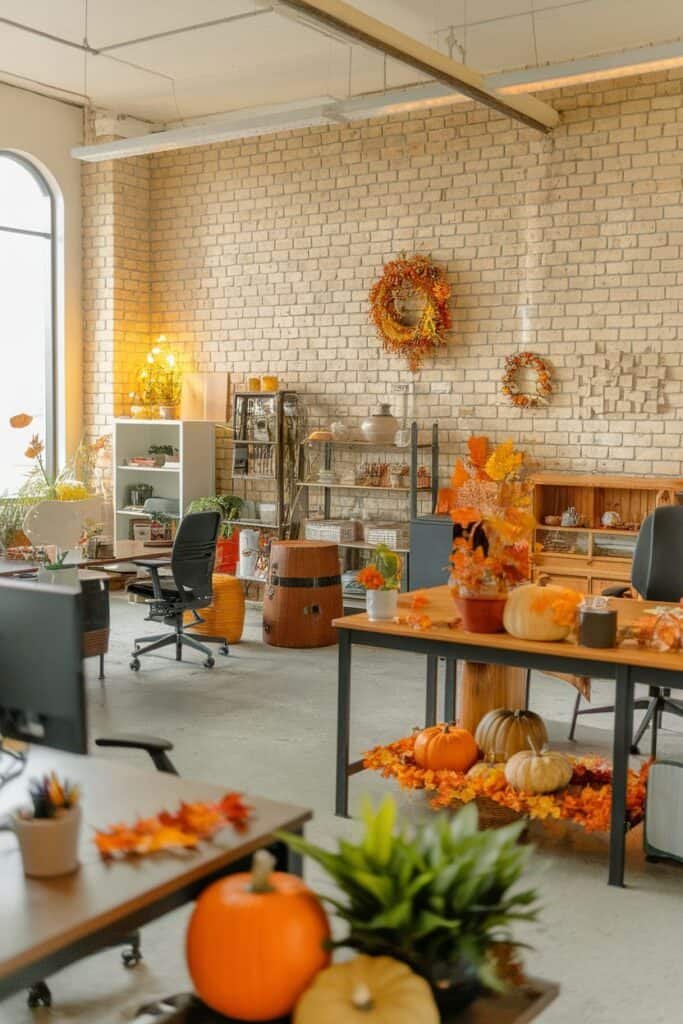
{"type": "Point", "coordinates": [263, 721]}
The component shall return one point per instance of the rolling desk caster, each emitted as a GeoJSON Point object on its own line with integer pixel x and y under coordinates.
{"type": "Point", "coordinates": [39, 995]}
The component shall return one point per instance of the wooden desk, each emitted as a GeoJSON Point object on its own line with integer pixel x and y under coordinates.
{"type": "Point", "coordinates": [626, 665]}
{"type": "Point", "coordinates": [123, 550]}
{"type": "Point", "coordinates": [47, 924]}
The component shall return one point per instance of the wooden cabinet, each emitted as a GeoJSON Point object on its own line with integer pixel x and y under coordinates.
{"type": "Point", "coordinates": [589, 556]}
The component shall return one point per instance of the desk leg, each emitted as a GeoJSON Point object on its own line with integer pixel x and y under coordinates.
{"type": "Point", "coordinates": [623, 731]}
{"type": "Point", "coordinates": [449, 699]}
{"type": "Point", "coordinates": [432, 684]}
{"type": "Point", "coordinates": [343, 723]}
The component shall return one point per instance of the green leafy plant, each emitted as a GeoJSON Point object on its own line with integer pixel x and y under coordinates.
{"type": "Point", "coordinates": [12, 512]}
{"type": "Point", "coordinates": [162, 449]}
{"type": "Point", "coordinates": [50, 795]}
{"type": "Point", "coordinates": [228, 505]}
{"type": "Point", "coordinates": [437, 897]}
{"type": "Point", "coordinates": [389, 564]}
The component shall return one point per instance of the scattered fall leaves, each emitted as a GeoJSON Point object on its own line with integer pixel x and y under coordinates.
{"type": "Point", "coordinates": [173, 831]}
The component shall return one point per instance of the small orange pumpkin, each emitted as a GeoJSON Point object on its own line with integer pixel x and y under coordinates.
{"type": "Point", "coordinates": [445, 748]}
{"type": "Point", "coordinates": [256, 941]}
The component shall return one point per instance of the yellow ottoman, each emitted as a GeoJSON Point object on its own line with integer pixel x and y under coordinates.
{"type": "Point", "coordinates": [225, 615]}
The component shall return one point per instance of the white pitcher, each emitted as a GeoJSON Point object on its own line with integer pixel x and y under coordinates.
{"type": "Point", "coordinates": [249, 549]}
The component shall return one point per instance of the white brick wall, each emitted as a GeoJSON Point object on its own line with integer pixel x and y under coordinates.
{"type": "Point", "coordinates": [263, 252]}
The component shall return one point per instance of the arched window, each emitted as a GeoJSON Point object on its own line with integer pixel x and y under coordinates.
{"type": "Point", "coordinates": [27, 223]}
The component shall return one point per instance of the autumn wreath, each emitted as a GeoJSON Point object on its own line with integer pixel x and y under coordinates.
{"type": "Point", "coordinates": [405, 276]}
{"type": "Point", "coordinates": [510, 388]}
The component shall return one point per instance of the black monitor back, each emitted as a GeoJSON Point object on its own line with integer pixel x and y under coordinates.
{"type": "Point", "coordinates": [42, 690]}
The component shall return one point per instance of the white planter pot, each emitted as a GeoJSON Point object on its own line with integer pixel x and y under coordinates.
{"type": "Point", "coordinates": [381, 604]}
{"type": "Point", "coordinates": [49, 846]}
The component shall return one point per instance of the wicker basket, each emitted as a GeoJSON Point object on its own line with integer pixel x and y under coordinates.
{"type": "Point", "coordinates": [394, 535]}
{"type": "Point", "coordinates": [339, 531]}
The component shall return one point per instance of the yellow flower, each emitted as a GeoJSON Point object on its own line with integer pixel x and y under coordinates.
{"type": "Point", "coordinates": [71, 490]}
{"type": "Point", "coordinates": [503, 461]}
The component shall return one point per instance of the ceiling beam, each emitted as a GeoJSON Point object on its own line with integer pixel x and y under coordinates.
{"type": "Point", "coordinates": [342, 18]}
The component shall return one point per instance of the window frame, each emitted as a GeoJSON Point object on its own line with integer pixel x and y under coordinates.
{"type": "Point", "coordinates": [50, 355]}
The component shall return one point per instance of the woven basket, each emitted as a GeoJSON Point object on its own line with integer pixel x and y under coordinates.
{"type": "Point", "coordinates": [225, 615]}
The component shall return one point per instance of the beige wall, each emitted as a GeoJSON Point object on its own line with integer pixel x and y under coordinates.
{"type": "Point", "coordinates": [45, 130]}
{"type": "Point", "coordinates": [263, 252]}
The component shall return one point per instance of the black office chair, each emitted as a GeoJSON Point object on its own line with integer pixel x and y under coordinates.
{"type": "Point", "coordinates": [657, 575]}
{"type": "Point", "coordinates": [189, 588]}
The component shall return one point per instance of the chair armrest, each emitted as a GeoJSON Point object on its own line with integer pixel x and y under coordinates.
{"type": "Point", "coordinates": [617, 591]}
{"type": "Point", "coordinates": [150, 563]}
{"type": "Point", "coordinates": [155, 746]}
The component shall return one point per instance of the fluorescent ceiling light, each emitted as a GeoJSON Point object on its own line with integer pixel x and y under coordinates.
{"type": "Point", "coordinates": [241, 124]}
{"type": "Point", "coordinates": [395, 101]}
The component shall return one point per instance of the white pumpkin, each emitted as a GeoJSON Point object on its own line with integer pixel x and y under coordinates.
{"type": "Point", "coordinates": [534, 771]}
{"type": "Point", "coordinates": [520, 619]}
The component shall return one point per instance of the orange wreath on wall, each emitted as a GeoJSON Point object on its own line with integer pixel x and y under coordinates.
{"type": "Point", "coordinates": [510, 388]}
{"type": "Point", "coordinates": [405, 276]}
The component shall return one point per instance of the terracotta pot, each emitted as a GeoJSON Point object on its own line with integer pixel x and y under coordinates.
{"type": "Point", "coordinates": [481, 614]}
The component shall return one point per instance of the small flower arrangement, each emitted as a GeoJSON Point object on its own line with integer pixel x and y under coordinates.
{"type": "Point", "coordinates": [63, 487]}
{"type": "Point", "coordinates": [51, 796]}
{"type": "Point", "coordinates": [491, 504]}
{"type": "Point", "coordinates": [383, 572]}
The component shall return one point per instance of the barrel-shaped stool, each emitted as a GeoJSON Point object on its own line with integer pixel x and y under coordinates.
{"type": "Point", "coordinates": [225, 614]}
{"type": "Point", "coordinates": [303, 594]}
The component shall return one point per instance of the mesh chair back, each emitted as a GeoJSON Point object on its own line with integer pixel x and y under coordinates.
{"type": "Point", "coordinates": [194, 552]}
{"type": "Point", "coordinates": [657, 570]}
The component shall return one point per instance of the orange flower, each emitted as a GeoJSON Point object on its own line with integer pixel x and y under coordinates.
{"type": "Point", "coordinates": [35, 448]}
{"type": "Point", "coordinates": [21, 420]}
{"type": "Point", "coordinates": [370, 578]}
{"type": "Point", "coordinates": [418, 601]}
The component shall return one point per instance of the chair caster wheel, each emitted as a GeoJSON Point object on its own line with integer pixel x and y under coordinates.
{"type": "Point", "coordinates": [135, 664]}
{"type": "Point", "coordinates": [634, 750]}
{"type": "Point", "coordinates": [131, 958]}
{"type": "Point", "coordinates": [39, 995]}
{"type": "Point", "coordinates": [224, 650]}
{"type": "Point", "coordinates": [209, 663]}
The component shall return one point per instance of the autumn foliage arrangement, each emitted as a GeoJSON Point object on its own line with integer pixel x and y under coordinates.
{"type": "Point", "coordinates": [490, 503]}
{"type": "Point", "coordinates": [586, 800]}
{"type": "Point", "coordinates": [383, 571]}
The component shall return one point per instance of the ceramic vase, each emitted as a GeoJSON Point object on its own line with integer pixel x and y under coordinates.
{"type": "Point", "coordinates": [49, 846]}
{"type": "Point", "coordinates": [381, 604]}
{"type": "Point", "coordinates": [381, 426]}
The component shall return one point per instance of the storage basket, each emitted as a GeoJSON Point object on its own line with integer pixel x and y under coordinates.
{"type": "Point", "coordinates": [339, 531]}
{"type": "Point", "coordinates": [394, 535]}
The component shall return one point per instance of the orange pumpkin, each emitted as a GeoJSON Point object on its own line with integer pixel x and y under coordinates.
{"type": "Point", "coordinates": [256, 941]}
{"type": "Point", "coordinates": [445, 748]}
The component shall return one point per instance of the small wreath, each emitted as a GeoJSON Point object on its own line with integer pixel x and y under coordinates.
{"type": "Point", "coordinates": [400, 278]}
{"type": "Point", "coordinates": [510, 387]}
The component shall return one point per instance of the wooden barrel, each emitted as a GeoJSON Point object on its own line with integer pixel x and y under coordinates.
{"type": "Point", "coordinates": [302, 595]}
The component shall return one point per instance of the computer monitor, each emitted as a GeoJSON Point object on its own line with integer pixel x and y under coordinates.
{"type": "Point", "coordinates": [42, 689]}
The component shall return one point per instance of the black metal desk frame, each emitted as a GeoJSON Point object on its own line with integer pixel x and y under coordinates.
{"type": "Point", "coordinates": [624, 675]}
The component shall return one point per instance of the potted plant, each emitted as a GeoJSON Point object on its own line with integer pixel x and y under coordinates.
{"type": "Point", "coordinates": [382, 580]}
{"type": "Point", "coordinates": [442, 897]}
{"type": "Point", "coordinates": [229, 507]}
{"type": "Point", "coordinates": [48, 832]}
{"type": "Point", "coordinates": [489, 503]}
{"type": "Point", "coordinates": [165, 454]}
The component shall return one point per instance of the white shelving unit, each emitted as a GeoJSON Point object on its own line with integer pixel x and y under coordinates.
{"type": "Point", "coordinates": [192, 477]}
